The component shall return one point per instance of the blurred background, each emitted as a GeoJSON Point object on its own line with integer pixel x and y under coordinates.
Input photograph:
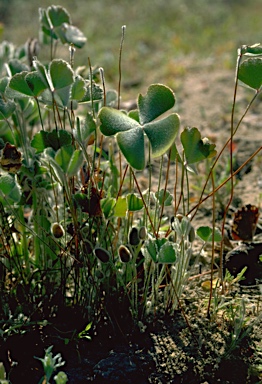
{"type": "Point", "coordinates": [164, 38]}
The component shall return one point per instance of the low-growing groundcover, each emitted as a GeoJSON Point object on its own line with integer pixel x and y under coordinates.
{"type": "Point", "coordinates": [114, 241]}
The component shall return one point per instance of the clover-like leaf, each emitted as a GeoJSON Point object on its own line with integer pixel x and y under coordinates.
{"type": "Point", "coordinates": [27, 83]}
{"type": "Point", "coordinates": [196, 149]}
{"type": "Point", "coordinates": [131, 144]}
{"type": "Point", "coordinates": [205, 234]}
{"type": "Point", "coordinates": [19, 84]}
{"type": "Point", "coordinates": [61, 74]}
{"type": "Point", "coordinates": [69, 34]}
{"type": "Point", "coordinates": [120, 207]}
{"type": "Point", "coordinates": [153, 247]}
{"type": "Point", "coordinates": [134, 203]}
{"type": "Point", "coordinates": [69, 159]}
{"type": "Point", "coordinates": [250, 72]}
{"type": "Point", "coordinates": [158, 99]}
{"type": "Point", "coordinates": [55, 139]}
{"type": "Point", "coordinates": [164, 197]}
{"type": "Point", "coordinates": [162, 133]}
{"type": "Point", "coordinates": [78, 89]}
{"type": "Point", "coordinates": [57, 15]}
{"type": "Point", "coordinates": [40, 68]}
{"type": "Point", "coordinates": [10, 189]}
{"type": "Point", "coordinates": [130, 129]}
{"type": "Point", "coordinates": [35, 83]}
{"type": "Point", "coordinates": [167, 253]}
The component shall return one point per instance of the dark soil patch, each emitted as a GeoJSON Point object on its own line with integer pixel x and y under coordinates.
{"type": "Point", "coordinates": [186, 347]}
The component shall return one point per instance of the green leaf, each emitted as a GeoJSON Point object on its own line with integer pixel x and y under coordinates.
{"type": "Point", "coordinates": [250, 50]}
{"type": "Point", "coordinates": [134, 203]}
{"type": "Point", "coordinates": [75, 162]}
{"type": "Point", "coordinates": [131, 144]}
{"type": "Point", "coordinates": [35, 83]}
{"type": "Point", "coordinates": [134, 114]}
{"type": "Point", "coordinates": [174, 155]}
{"type": "Point", "coordinates": [162, 134]}
{"type": "Point", "coordinates": [58, 15]}
{"type": "Point", "coordinates": [63, 156]}
{"type": "Point", "coordinates": [153, 247]}
{"type": "Point", "coordinates": [55, 139]}
{"type": "Point", "coordinates": [28, 83]}
{"type": "Point", "coordinates": [152, 250]}
{"type": "Point", "coordinates": [157, 101]}
{"type": "Point", "coordinates": [114, 121]}
{"type": "Point", "coordinates": [40, 141]}
{"type": "Point", "coordinates": [3, 84]}
{"type": "Point", "coordinates": [205, 234]}
{"type": "Point", "coordinates": [164, 197]}
{"type": "Point", "coordinates": [196, 149]}
{"type": "Point", "coordinates": [2, 374]}
{"type": "Point", "coordinates": [16, 66]}
{"type": "Point", "coordinates": [61, 74]}
{"type": "Point", "coordinates": [43, 19]}
{"type": "Point", "coordinates": [250, 72]}
{"type": "Point", "coordinates": [6, 108]}
{"type": "Point", "coordinates": [107, 206]}
{"type": "Point", "coordinates": [61, 377]}
{"type": "Point", "coordinates": [85, 128]}
{"type": "Point", "coordinates": [10, 188]}
{"type": "Point", "coordinates": [58, 139]}
{"type": "Point", "coordinates": [41, 70]}
{"type": "Point", "coordinates": [120, 207]}
{"type": "Point", "coordinates": [19, 84]}
{"type": "Point", "coordinates": [63, 96]}
{"type": "Point", "coordinates": [69, 34]}
{"type": "Point", "coordinates": [69, 159]}
{"type": "Point", "coordinates": [7, 183]}
{"type": "Point", "coordinates": [111, 98]}
{"type": "Point", "coordinates": [167, 253]}
{"type": "Point", "coordinates": [78, 89]}
{"type": "Point", "coordinates": [96, 94]}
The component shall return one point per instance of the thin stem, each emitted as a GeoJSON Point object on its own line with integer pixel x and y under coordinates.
{"type": "Point", "coordinates": [225, 181]}
{"type": "Point", "coordinates": [165, 189]}
{"type": "Point", "coordinates": [232, 133]}
{"type": "Point", "coordinates": [102, 75]}
{"type": "Point", "coordinates": [213, 248]}
{"type": "Point", "coordinates": [145, 206]}
{"type": "Point", "coordinates": [120, 63]}
{"type": "Point", "coordinates": [40, 114]}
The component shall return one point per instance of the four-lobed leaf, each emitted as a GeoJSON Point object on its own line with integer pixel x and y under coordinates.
{"type": "Point", "coordinates": [130, 132]}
